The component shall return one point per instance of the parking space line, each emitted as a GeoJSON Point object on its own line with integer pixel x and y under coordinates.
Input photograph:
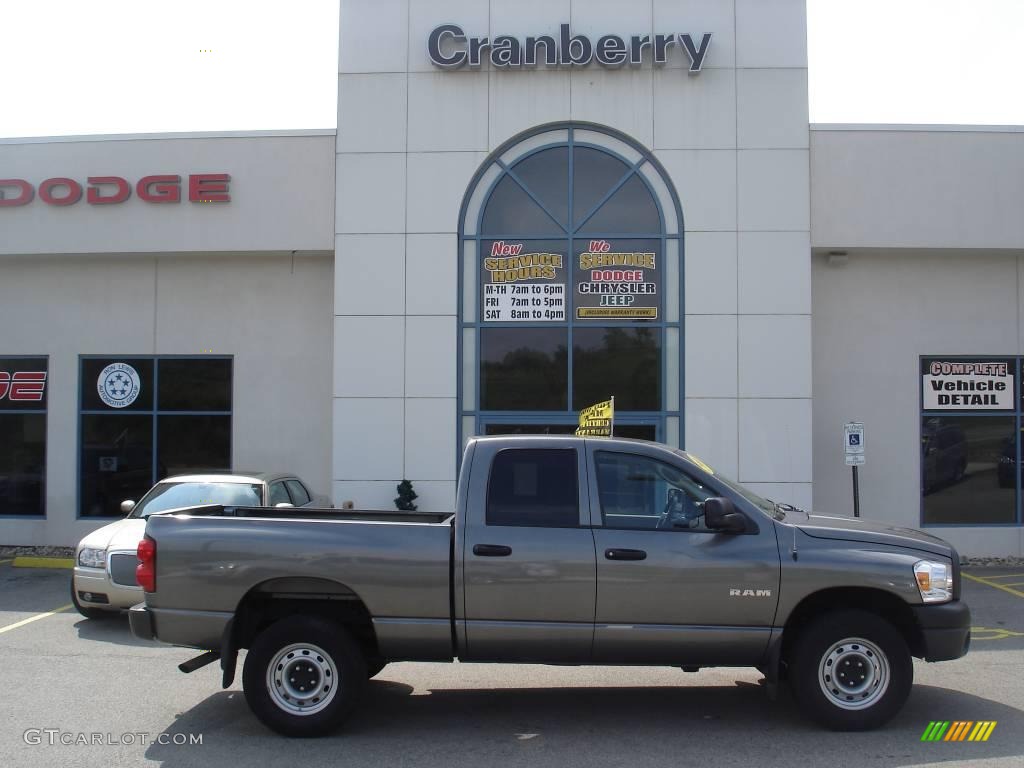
{"type": "Point", "coordinates": [4, 562]}
{"type": "Point", "coordinates": [1005, 576]}
{"type": "Point", "coordinates": [997, 585]}
{"type": "Point", "coordinates": [37, 617]}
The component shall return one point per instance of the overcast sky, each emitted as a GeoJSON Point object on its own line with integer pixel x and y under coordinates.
{"type": "Point", "coordinates": [136, 66]}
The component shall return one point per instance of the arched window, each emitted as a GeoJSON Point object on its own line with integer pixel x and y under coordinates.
{"type": "Point", "coordinates": [570, 287]}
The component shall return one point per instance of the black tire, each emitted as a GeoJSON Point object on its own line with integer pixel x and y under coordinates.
{"type": "Point", "coordinates": [864, 648]}
{"type": "Point", "coordinates": [324, 656]}
{"type": "Point", "coordinates": [374, 666]}
{"type": "Point", "coordinates": [89, 613]}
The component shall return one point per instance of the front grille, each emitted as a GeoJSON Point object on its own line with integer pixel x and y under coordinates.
{"type": "Point", "coordinates": [122, 569]}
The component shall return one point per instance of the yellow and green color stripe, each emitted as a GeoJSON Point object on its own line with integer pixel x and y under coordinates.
{"type": "Point", "coordinates": [958, 730]}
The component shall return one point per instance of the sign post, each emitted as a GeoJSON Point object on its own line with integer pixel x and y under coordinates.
{"type": "Point", "coordinates": [853, 446]}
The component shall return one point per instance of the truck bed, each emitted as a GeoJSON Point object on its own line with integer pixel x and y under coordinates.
{"type": "Point", "coordinates": [398, 564]}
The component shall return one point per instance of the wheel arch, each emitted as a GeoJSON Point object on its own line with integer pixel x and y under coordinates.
{"type": "Point", "coordinates": [886, 605]}
{"type": "Point", "coordinates": [278, 598]}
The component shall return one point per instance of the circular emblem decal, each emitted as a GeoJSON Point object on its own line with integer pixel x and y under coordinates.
{"type": "Point", "coordinates": [118, 385]}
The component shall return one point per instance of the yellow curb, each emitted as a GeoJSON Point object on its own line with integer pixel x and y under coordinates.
{"type": "Point", "coordinates": [995, 584]}
{"type": "Point", "coordinates": [44, 562]}
{"type": "Point", "coordinates": [37, 617]}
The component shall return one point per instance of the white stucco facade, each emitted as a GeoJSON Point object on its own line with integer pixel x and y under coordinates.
{"type": "Point", "coordinates": [734, 141]}
{"type": "Point", "coordinates": [820, 264]}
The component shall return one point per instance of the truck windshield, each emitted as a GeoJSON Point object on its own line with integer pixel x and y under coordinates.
{"type": "Point", "coordinates": [766, 504]}
{"type": "Point", "coordinates": [164, 496]}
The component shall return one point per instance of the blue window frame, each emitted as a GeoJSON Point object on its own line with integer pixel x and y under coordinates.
{"type": "Point", "coordinates": [570, 286]}
{"type": "Point", "coordinates": [143, 418]}
{"type": "Point", "coordinates": [970, 449]}
{"type": "Point", "coordinates": [24, 394]}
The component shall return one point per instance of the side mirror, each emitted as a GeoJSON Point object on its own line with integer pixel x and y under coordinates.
{"type": "Point", "coordinates": [283, 504]}
{"type": "Point", "coordinates": [127, 506]}
{"type": "Point", "coordinates": [720, 514]}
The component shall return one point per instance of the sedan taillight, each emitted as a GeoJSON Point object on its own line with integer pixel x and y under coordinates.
{"type": "Point", "coordinates": [145, 571]}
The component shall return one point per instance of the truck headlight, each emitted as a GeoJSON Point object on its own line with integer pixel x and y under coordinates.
{"type": "Point", "coordinates": [92, 558]}
{"type": "Point", "coordinates": [934, 581]}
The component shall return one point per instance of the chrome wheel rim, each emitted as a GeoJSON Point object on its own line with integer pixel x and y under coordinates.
{"type": "Point", "coordinates": [854, 673]}
{"type": "Point", "coordinates": [302, 679]}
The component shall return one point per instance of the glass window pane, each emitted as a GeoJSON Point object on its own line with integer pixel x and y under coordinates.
{"type": "Point", "coordinates": [22, 463]}
{"type": "Point", "coordinates": [523, 369]}
{"type": "Point", "coordinates": [630, 209]}
{"type": "Point", "coordinates": [166, 496]}
{"type": "Point", "coordinates": [638, 492]}
{"type": "Point", "coordinates": [624, 362]}
{"type": "Point", "coordinates": [278, 495]}
{"type": "Point", "coordinates": [23, 383]}
{"type": "Point", "coordinates": [594, 174]}
{"type": "Point", "coordinates": [298, 492]}
{"type": "Point", "coordinates": [116, 456]}
{"type": "Point", "coordinates": [195, 385]}
{"type": "Point", "coordinates": [510, 211]}
{"type": "Point", "coordinates": [637, 431]}
{"type": "Point", "coordinates": [546, 175]}
{"type": "Point", "coordinates": [618, 279]}
{"type": "Point", "coordinates": [117, 384]}
{"type": "Point", "coordinates": [193, 444]}
{"type": "Point", "coordinates": [969, 469]}
{"type": "Point", "coordinates": [534, 488]}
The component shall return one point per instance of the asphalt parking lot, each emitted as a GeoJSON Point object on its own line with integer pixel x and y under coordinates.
{"type": "Point", "coordinates": [67, 675]}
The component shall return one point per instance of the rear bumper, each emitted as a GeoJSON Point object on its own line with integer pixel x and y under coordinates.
{"type": "Point", "coordinates": [190, 629]}
{"type": "Point", "coordinates": [141, 622]}
{"type": "Point", "coordinates": [945, 630]}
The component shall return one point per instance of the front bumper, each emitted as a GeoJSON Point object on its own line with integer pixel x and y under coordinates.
{"type": "Point", "coordinates": [945, 630]}
{"type": "Point", "coordinates": [141, 622]}
{"type": "Point", "coordinates": [97, 581]}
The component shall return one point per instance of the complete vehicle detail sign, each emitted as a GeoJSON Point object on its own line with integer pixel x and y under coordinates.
{"type": "Point", "coordinates": [450, 48]}
{"type": "Point", "coordinates": [967, 385]}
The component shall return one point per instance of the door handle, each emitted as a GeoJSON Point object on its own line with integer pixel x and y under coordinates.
{"type": "Point", "coordinates": [625, 554]}
{"type": "Point", "coordinates": [492, 550]}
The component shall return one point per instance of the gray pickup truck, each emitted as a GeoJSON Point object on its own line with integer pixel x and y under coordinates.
{"type": "Point", "coordinates": [562, 550]}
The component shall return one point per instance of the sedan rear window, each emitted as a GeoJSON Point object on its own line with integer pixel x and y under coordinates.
{"type": "Point", "coordinates": [166, 496]}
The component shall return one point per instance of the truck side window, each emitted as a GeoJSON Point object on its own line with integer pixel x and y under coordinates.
{"type": "Point", "coordinates": [534, 487]}
{"type": "Point", "coordinates": [638, 492]}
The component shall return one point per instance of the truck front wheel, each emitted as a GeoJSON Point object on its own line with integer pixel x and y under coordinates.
{"type": "Point", "coordinates": [850, 670]}
{"type": "Point", "coordinates": [303, 676]}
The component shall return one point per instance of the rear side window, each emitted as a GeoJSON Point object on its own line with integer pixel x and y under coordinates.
{"type": "Point", "coordinates": [278, 495]}
{"type": "Point", "coordinates": [298, 492]}
{"type": "Point", "coordinates": [534, 487]}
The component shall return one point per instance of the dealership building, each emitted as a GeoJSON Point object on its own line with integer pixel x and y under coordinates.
{"type": "Point", "coordinates": [527, 207]}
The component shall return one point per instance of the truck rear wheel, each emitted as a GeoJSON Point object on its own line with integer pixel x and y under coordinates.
{"type": "Point", "coordinates": [303, 676]}
{"type": "Point", "coordinates": [850, 670]}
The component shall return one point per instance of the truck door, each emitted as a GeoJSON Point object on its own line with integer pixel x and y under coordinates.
{"type": "Point", "coordinates": [670, 590]}
{"type": "Point", "coordinates": [528, 556]}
